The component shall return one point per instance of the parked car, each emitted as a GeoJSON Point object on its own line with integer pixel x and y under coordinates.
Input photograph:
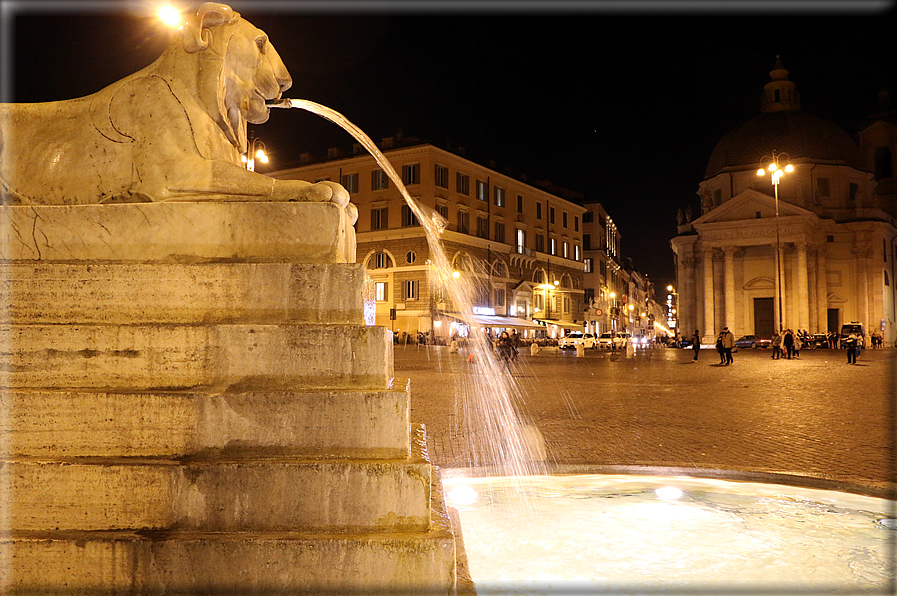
{"type": "Point", "coordinates": [820, 339]}
{"type": "Point", "coordinates": [752, 341]}
{"type": "Point", "coordinates": [572, 340]}
{"type": "Point", "coordinates": [616, 341]}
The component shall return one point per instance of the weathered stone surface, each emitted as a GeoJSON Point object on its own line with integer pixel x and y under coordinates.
{"type": "Point", "coordinates": [261, 495]}
{"type": "Point", "coordinates": [249, 564]}
{"type": "Point", "coordinates": [319, 424]}
{"type": "Point", "coordinates": [233, 358]}
{"type": "Point", "coordinates": [178, 232]}
{"type": "Point", "coordinates": [130, 294]}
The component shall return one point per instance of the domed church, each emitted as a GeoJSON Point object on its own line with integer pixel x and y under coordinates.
{"type": "Point", "coordinates": [808, 243]}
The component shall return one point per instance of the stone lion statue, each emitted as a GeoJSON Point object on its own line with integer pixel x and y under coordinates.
{"type": "Point", "coordinates": [174, 131]}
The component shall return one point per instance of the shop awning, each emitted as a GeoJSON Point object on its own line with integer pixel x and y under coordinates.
{"type": "Point", "coordinates": [497, 321]}
{"type": "Point", "coordinates": [574, 326]}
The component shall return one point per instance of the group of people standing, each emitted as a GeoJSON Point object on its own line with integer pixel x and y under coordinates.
{"type": "Point", "coordinates": [786, 344]}
{"type": "Point", "coordinates": [724, 344]}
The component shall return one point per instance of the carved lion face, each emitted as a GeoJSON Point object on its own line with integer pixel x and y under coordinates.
{"type": "Point", "coordinates": [253, 72]}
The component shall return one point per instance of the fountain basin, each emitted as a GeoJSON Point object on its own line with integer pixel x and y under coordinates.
{"type": "Point", "coordinates": [624, 534]}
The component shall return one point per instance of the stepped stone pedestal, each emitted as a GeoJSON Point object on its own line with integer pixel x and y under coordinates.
{"type": "Point", "coordinates": [193, 403]}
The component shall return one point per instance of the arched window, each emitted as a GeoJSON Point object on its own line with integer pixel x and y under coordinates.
{"type": "Point", "coordinates": [380, 260]}
{"type": "Point", "coordinates": [883, 163]}
{"type": "Point", "coordinates": [499, 269]}
{"type": "Point", "coordinates": [538, 276]}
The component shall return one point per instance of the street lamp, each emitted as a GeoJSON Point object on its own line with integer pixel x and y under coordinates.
{"type": "Point", "coordinates": [256, 152]}
{"type": "Point", "coordinates": [672, 306]}
{"type": "Point", "coordinates": [776, 172]}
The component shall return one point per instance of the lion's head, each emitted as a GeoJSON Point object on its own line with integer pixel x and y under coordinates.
{"type": "Point", "coordinates": [247, 68]}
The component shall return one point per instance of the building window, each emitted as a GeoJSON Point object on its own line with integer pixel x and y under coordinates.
{"type": "Point", "coordinates": [566, 249]}
{"type": "Point", "coordinates": [463, 222]}
{"type": "Point", "coordinates": [381, 291]}
{"type": "Point", "coordinates": [575, 223]}
{"type": "Point", "coordinates": [538, 276]}
{"type": "Point", "coordinates": [588, 267]}
{"type": "Point", "coordinates": [587, 242]}
{"type": "Point", "coordinates": [411, 174]}
{"type": "Point", "coordinates": [830, 238]}
{"type": "Point", "coordinates": [564, 219]}
{"type": "Point", "coordinates": [588, 296]}
{"type": "Point", "coordinates": [853, 190]}
{"type": "Point", "coordinates": [587, 217]}
{"type": "Point", "coordinates": [379, 218]}
{"type": "Point", "coordinates": [481, 191]}
{"type": "Point", "coordinates": [540, 243]}
{"type": "Point", "coordinates": [499, 232]}
{"type": "Point", "coordinates": [603, 269]}
{"type": "Point", "coordinates": [408, 218]}
{"type": "Point", "coordinates": [538, 210]}
{"type": "Point", "coordinates": [576, 255]}
{"type": "Point", "coordinates": [379, 180]}
{"type": "Point", "coordinates": [483, 296]}
{"type": "Point", "coordinates": [499, 196]}
{"type": "Point", "coordinates": [379, 260]}
{"type": "Point", "coordinates": [482, 227]}
{"type": "Point", "coordinates": [350, 183]}
{"type": "Point", "coordinates": [410, 257]}
{"type": "Point", "coordinates": [409, 289]}
{"type": "Point", "coordinates": [519, 203]}
{"type": "Point", "coordinates": [462, 184]}
{"type": "Point", "coordinates": [499, 298]}
{"type": "Point", "coordinates": [521, 241]}
{"type": "Point", "coordinates": [442, 210]}
{"type": "Point", "coordinates": [551, 215]}
{"type": "Point", "coordinates": [441, 176]}
{"type": "Point", "coordinates": [552, 246]}
{"type": "Point", "coordinates": [823, 185]}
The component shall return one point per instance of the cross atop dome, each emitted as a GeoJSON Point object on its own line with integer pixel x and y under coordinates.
{"type": "Point", "coordinates": [779, 94]}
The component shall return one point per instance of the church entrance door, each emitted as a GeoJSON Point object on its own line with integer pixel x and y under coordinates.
{"type": "Point", "coordinates": [764, 317]}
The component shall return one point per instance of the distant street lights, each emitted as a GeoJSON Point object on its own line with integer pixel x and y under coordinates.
{"type": "Point", "coordinates": [776, 172]}
{"type": "Point", "coordinates": [672, 306]}
{"type": "Point", "coordinates": [256, 152]}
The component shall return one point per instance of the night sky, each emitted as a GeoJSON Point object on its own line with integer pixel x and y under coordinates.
{"type": "Point", "coordinates": [624, 107]}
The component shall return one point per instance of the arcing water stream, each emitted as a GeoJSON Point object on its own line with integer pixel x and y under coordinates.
{"type": "Point", "coordinates": [499, 437]}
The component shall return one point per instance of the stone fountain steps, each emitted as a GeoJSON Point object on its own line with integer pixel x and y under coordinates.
{"type": "Point", "coordinates": [216, 357]}
{"type": "Point", "coordinates": [169, 425]}
{"type": "Point", "coordinates": [192, 403]}
{"type": "Point", "coordinates": [264, 495]}
{"type": "Point", "coordinates": [187, 561]}
{"type": "Point", "coordinates": [198, 293]}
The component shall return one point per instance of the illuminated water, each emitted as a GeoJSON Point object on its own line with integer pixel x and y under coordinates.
{"type": "Point", "coordinates": [602, 534]}
{"type": "Point", "coordinates": [499, 435]}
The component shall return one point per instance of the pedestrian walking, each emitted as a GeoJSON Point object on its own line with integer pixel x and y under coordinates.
{"type": "Point", "coordinates": [788, 343]}
{"type": "Point", "coordinates": [798, 344]}
{"type": "Point", "coordinates": [728, 344]}
{"type": "Point", "coordinates": [719, 348]}
{"type": "Point", "coordinates": [696, 344]}
{"type": "Point", "coordinates": [851, 343]}
{"type": "Point", "coordinates": [776, 345]}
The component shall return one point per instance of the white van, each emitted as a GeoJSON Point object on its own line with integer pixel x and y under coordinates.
{"type": "Point", "coordinates": [853, 327]}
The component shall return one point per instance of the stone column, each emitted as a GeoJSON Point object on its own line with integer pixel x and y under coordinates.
{"type": "Point", "coordinates": [688, 307]}
{"type": "Point", "coordinates": [708, 293]}
{"type": "Point", "coordinates": [811, 290]}
{"type": "Point", "coordinates": [730, 287]}
{"type": "Point", "coordinates": [803, 296]}
{"type": "Point", "coordinates": [861, 255]}
{"type": "Point", "coordinates": [821, 291]}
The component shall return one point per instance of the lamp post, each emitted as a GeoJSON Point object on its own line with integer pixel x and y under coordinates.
{"type": "Point", "coordinates": [256, 151]}
{"type": "Point", "coordinates": [776, 172]}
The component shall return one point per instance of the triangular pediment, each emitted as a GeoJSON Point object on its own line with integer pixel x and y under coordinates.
{"type": "Point", "coordinates": [747, 204]}
{"type": "Point", "coordinates": [524, 287]}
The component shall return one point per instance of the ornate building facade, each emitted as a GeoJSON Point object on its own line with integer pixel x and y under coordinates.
{"type": "Point", "coordinates": [520, 245]}
{"type": "Point", "coordinates": [814, 251]}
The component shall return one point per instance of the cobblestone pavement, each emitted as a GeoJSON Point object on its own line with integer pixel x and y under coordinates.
{"type": "Point", "coordinates": [814, 417]}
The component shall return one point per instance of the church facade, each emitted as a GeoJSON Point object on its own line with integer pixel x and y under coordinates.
{"type": "Point", "coordinates": [812, 252]}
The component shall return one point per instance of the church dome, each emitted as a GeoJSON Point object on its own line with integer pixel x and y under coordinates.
{"type": "Point", "coordinates": [783, 128]}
